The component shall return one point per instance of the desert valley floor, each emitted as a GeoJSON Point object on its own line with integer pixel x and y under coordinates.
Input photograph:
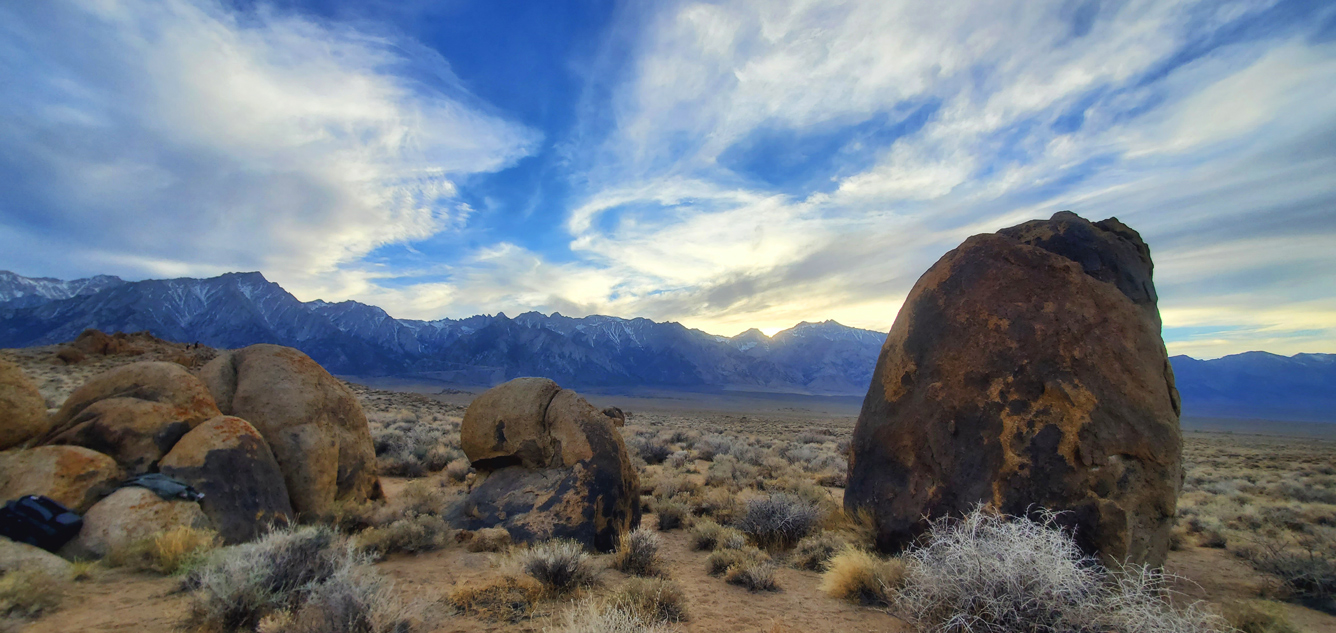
{"type": "Point", "coordinates": [1242, 491]}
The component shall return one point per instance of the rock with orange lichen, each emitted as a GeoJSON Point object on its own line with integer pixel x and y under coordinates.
{"type": "Point", "coordinates": [226, 459]}
{"type": "Point", "coordinates": [312, 422]}
{"type": "Point", "coordinates": [1026, 370]}
{"type": "Point", "coordinates": [550, 465]}
{"type": "Point", "coordinates": [76, 477]}
{"type": "Point", "coordinates": [22, 409]}
{"type": "Point", "coordinates": [134, 413]}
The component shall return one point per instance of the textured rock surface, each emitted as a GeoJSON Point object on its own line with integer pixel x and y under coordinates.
{"type": "Point", "coordinates": [311, 421]}
{"type": "Point", "coordinates": [128, 515]}
{"type": "Point", "coordinates": [556, 467]}
{"type": "Point", "coordinates": [22, 409]}
{"type": "Point", "coordinates": [617, 416]}
{"type": "Point", "coordinates": [227, 460]}
{"type": "Point", "coordinates": [76, 477]}
{"type": "Point", "coordinates": [14, 556]}
{"type": "Point", "coordinates": [1026, 370]}
{"type": "Point", "coordinates": [136, 433]}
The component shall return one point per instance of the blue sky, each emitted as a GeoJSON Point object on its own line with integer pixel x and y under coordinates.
{"type": "Point", "coordinates": [723, 164]}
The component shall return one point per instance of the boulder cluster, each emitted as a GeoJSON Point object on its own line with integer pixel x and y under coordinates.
{"type": "Point", "coordinates": [263, 432]}
{"type": "Point", "coordinates": [1026, 371]}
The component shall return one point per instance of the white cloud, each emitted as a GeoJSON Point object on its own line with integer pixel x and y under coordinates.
{"type": "Point", "coordinates": [180, 137]}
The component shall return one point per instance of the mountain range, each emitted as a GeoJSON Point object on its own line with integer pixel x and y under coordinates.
{"type": "Point", "coordinates": [351, 338]}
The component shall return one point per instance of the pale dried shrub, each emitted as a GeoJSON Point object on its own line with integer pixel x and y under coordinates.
{"type": "Point", "coordinates": [561, 565]}
{"type": "Point", "coordinates": [708, 535]}
{"type": "Point", "coordinates": [423, 533]}
{"type": "Point", "coordinates": [987, 572]}
{"type": "Point", "coordinates": [493, 539]}
{"type": "Point", "coordinates": [170, 552]}
{"type": "Point", "coordinates": [754, 574]}
{"type": "Point", "coordinates": [721, 560]}
{"type": "Point", "coordinates": [593, 616]}
{"type": "Point", "coordinates": [356, 599]}
{"type": "Point", "coordinates": [856, 576]}
{"type": "Point", "coordinates": [672, 515]}
{"type": "Point", "coordinates": [458, 469]}
{"type": "Point", "coordinates": [1258, 616]}
{"type": "Point", "coordinates": [638, 553]}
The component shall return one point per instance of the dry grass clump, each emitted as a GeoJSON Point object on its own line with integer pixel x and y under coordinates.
{"type": "Point", "coordinates": [652, 600]}
{"type": "Point", "coordinates": [305, 579]}
{"type": "Point", "coordinates": [708, 536]}
{"type": "Point", "coordinates": [506, 598]}
{"type": "Point", "coordinates": [493, 539]}
{"type": "Point", "coordinates": [30, 591]}
{"type": "Point", "coordinates": [170, 552]}
{"type": "Point", "coordinates": [672, 515]}
{"type": "Point", "coordinates": [720, 560]}
{"type": "Point", "coordinates": [779, 520]}
{"type": "Point", "coordinates": [814, 552]}
{"type": "Point", "coordinates": [600, 617]}
{"type": "Point", "coordinates": [638, 554]}
{"type": "Point", "coordinates": [989, 572]}
{"type": "Point", "coordinates": [561, 565]}
{"type": "Point", "coordinates": [423, 533]}
{"type": "Point", "coordinates": [458, 469]}
{"type": "Point", "coordinates": [859, 577]}
{"type": "Point", "coordinates": [746, 566]}
{"type": "Point", "coordinates": [1258, 616]}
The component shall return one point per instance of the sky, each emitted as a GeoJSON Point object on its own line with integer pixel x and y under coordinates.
{"type": "Point", "coordinates": [727, 165]}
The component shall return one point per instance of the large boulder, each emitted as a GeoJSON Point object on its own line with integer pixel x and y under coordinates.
{"type": "Point", "coordinates": [311, 421]}
{"type": "Point", "coordinates": [134, 413]}
{"type": "Point", "coordinates": [130, 514]}
{"type": "Point", "coordinates": [227, 460]}
{"type": "Point", "coordinates": [550, 466]}
{"type": "Point", "coordinates": [76, 477]}
{"type": "Point", "coordinates": [1026, 370]}
{"type": "Point", "coordinates": [15, 556]}
{"type": "Point", "coordinates": [22, 408]}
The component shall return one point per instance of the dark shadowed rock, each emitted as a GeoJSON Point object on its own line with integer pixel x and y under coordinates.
{"type": "Point", "coordinates": [311, 421]}
{"type": "Point", "coordinates": [617, 416]}
{"type": "Point", "coordinates": [554, 469]}
{"type": "Point", "coordinates": [76, 477]}
{"type": "Point", "coordinates": [22, 408]}
{"type": "Point", "coordinates": [1026, 370]}
{"type": "Point", "coordinates": [227, 460]}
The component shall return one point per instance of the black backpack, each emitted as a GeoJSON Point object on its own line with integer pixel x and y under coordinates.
{"type": "Point", "coordinates": [39, 521]}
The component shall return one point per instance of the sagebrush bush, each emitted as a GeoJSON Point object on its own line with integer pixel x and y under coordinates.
{"type": "Point", "coordinates": [458, 469]}
{"type": "Point", "coordinates": [720, 560]}
{"type": "Point", "coordinates": [561, 565]}
{"type": "Point", "coordinates": [240, 585]}
{"type": "Point", "coordinates": [493, 539]}
{"type": "Point", "coordinates": [652, 600]}
{"type": "Point", "coordinates": [638, 553]}
{"type": "Point", "coordinates": [708, 535]}
{"type": "Point", "coordinates": [408, 447]}
{"type": "Point", "coordinates": [672, 515]}
{"type": "Point", "coordinates": [30, 591]}
{"type": "Point", "coordinates": [170, 552]}
{"type": "Point", "coordinates": [423, 533]}
{"type": "Point", "coordinates": [813, 552]}
{"type": "Point", "coordinates": [753, 573]}
{"type": "Point", "coordinates": [987, 572]}
{"type": "Point", "coordinates": [778, 521]}
{"type": "Point", "coordinates": [355, 599]}
{"type": "Point", "coordinates": [859, 577]}
{"type": "Point", "coordinates": [1305, 562]}
{"type": "Point", "coordinates": [506, 598]}
{"type": "Point", "coordinates": [655, 452]}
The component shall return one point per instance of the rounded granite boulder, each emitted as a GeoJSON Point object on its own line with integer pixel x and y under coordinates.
{"type": "Point", "coordinates": [72, 475]}
{"type": "Point", "coordinates": [22, 408]}
{"type": "Point", "coordinates": [1026, 370]}
{"type": "Point", "coordinates": [128, 515]}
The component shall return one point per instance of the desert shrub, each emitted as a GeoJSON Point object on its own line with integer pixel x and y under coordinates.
{"type": "Point", "coordinates": [813, 552]}
{"type": "Point", "coordinates": [239, 585]}
{"type": "Point", "coordinates": [506, 598]}
{"type": "Point", "coordinates": [859, 577]}
{"type": "Point", "coordinates": [668, 487]}
{"type": "Point", "coordinates": [638, 553]}
{"type": "Point", "coordinates": [672, 515]}
{"type": "Point", "coordinates": [755, 573]}
{"type": "Point", "coordinates": [408, 447]}
{"type": "Point", "coordinates": [493, 539]}
{"type": "Point", "coordinates": [1258, 616]}
{"type": "Point", "coordinates": [652, 600]}
{"type": "Point", "coordinates": [712, 446]}
{"type": "Point", "coordinates": [30, 591]}
{"type": "Point", "coordinates": [809, 437]}
{"type": "Point", "coordinates": [720, 560]}
{"type": "Point", "coordinates": [82, 570]}
{"type": "Point", "coordinates": [778, 520]}
{"type": "Point", "coordinates": [599, 617]}
{"type": "Point", "coordinates": [717, 503]}
{"type": "Point", "coordinates": [708, 535]}
{"type": "Point", "coordinates": [561, 565]}
{"type": "Point", "coordinates": [169, 552]}
{"type": "Point", "coordinates": [1305, 562]}
{"type": "Point", "coordinates": [654, 452]}
{"type": "Point", "coordinates": [991, 573]}
{"type": "Point", "coordinates": [458, 469]}
{"type": "Point", "coordinates": [677, 460]}
{"type": "Point", "coordinates": [422, 533]}
{"type": "Point", "coordinates": [355, 599]}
